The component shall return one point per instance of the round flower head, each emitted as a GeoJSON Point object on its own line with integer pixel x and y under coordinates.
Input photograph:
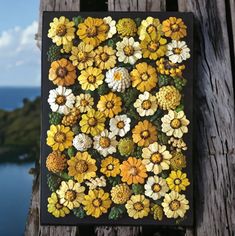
{"type": "Point", "coordinates": [157, 212]}
{"type": "Point", "coordinates": [178, 161]}
{"type": "Point", "coordinates": [105, 143]}
{"type": "Point", "coordinates": [61, 100]}
{"type": "Point", "coordinates": [111, 26]}
{"type": "Point", "coordinates": [56, 162]}
{"type": "Point", "coordinates": [175, 124]}
{"type": "Point", "coordinates": [61, 31]}
{"type": "Point", "coordinates": [82, 142]}
{"type": "Point", "coordinates": [118, 79]}
{"type": "Point", "coordinates": [110, 166]}
{"type": "Point", "coordinates": [126, 146]}
{"type": "Point", "coordinates": [71, 118]}
{"type": "Point", "coordinates": [94, 183]}
{"type": "Point", "coordinates": [146, 104]}
{"type": "Point", "coordinates": [178, 144]}
{"type": "Point", "coordinates": [120, 125]}
{"type": "Point", "coordinates": [120, 193]}
{"type": "Point", "coordinates": [126, 27]}
{"type": "Point", "coordinates": [128, 51]}
{"type": "Point", "coordinates": [84, 102]}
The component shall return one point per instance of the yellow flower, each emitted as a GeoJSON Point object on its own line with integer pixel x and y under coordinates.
{"type": "Point", "coordinates": [174, 28]}
{"type": "Point", "coordinates": [82, 166]}
{"type": "Point", "coordinates": [126, 27]}
{"type": "Point", "coordinates": [61, 31]}
{"type": "Point", "coordinates": [153, 47]}
{"type": "Point", "coordinates": [55, 208]}
{"type": "Point", "coordinates": [59, 137]}
{"type": "Point", "coordinates": [67, 47]}
{"type": "Point", "coordinates": [126, 146]}
{"type": "Point", "coordinates": [84, 102]}
{"type": "Point", "coordinates": [82, 56]}
{"type": "Point", "coordinates": [56, 162]}
{"type": "Point", "coordinates": [144, 77]}
{"type": "Point", "coordinates": [105, 57]}
{"type": "Point", "coordinates": [71, 194]}
{"type": "Point", "coordinates": [177, 181]}
{"type": "Point", "coordinates": [138, 206]}
{"type": "Point", "coordinates": [168, 97]}
{"type": "Point", "coordinates": [110, 104]}
{"type": "Point", "coordinates": [93, 31]}
{"type": "Point", "coordinates": [120, 193]}
{"type": "Point", "coordinates": [96, 202]}
{"type": "Point", "coordinates": [144, 133]}
{"type": "Point", "coordinates": [178, 161]}
{"type": "Point", "coordinates": [110, 166]}
{"type": "Point", "coordinates": [92, 122]}
{"type": "Point", "coordinates": [91, 78]}
{"type": "Point", "coordinates": [62, 72]}
{"type": "Point", "coordinates": [71, 118]}
{"type": "Point", "coordinates": [157, 212]}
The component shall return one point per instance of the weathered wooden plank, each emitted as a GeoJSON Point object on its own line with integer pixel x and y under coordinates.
{"type": "Point", "coordinates": [214, 111]}
{"type": "Point", "coordinates": [232, 12]}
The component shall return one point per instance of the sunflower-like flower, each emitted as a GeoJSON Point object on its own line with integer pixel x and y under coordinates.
{"type": "Point", "coordinates": [91, 78]}
{"type": "Point", "coordinates": [55, 208]}
{"type": "Point", "coordinates": [146, 104]}
{"type": "Point", "coordinates": [177, 181]}
{"type": "Point", "coordinates": [82, 142]}
{"type": "Point", "coordinates": [151, 26]}
{"type": "Point", "coordinates": [120, 125]}
{"type": "Point", "coordinates": [138, 206]}
{"type": "Point", "coordinates": [175, 205]}
{"type": "Point", "coordinates": [111, 26]}
{"type": "Point", "coordinates": [178, 161]}
{"type": "Point", "coordinates": [94, 183]}
{"type": "Point", "coordinates": [96, 202]}
{"type": "Point", "coordinates": [56, 162]}
{"type": "Point", "coordinates": [168, 97]}
{"type": "Point", "coordinates": [118, 79]}
{"type": "Point", "coordinates": [156, 158]}
{"type": "Point", "coordinates": [128, 50]}
{"type": "Point", "coordinates": [174, 28]}
{"type": "Point", "coordinates": [82, 166]}
{"type": "Point", "coordinates": [126, 146]}
{"type": "Point", "coordinates": [110, 166]}
{"type": "Point", "coordinates": [61, 31]}
{"type": "Point", "coordinates": [105, 143]}
{"type": "Point", "coordinates": [105, 58]}
{"type": "Point", "coordinates": [62, 72]}
{"type": "Point", "coordinates": [126, 27]}
{"type": "Point", "coordinates": [110, 104]}
{"type": "Point", "coordinates": [59, 137]}
{"type": "Point", "coordinates": [144, 133]}
{"type": "Point", "coordinates": [120, 193]}
{"type": "Point", "coordinates": [82, 56]}
{"type": "Point", "coordinates": [72, 117]}
{"type": "Point", "coordinates": [84, 102]}
{"type": "Point", "coordinates": [133, 171]}
{"type": "Point", "coordinates": [92, 122]}
{"type": "Point", "coordinates": [71, 194]}
{"type": "Point", "coordinates": [175, 124]}
{"type": "Point", "coordinates": [144, 77]}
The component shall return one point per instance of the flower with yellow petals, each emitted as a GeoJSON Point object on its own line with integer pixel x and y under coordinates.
{"type": "Point", "coordinates": [110, 166]}
{"type": "Point", "coordinates": [120, 193]}
{"type": "Point", "coordinates": [56, 162]}
{"type": "Point", "coordinates": [178, 161]}
{"type": "Point", "coordinates": [84, 102]}
{"type": "Point", "coordinates": [126, 146]}
{"type": "Point", "coordinates": [126, 27]}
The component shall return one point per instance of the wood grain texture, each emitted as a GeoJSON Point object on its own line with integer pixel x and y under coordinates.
{"type": "Point", "coordinates": [232, 12]}
{"type": "Point", "coordinates": [214, 116]}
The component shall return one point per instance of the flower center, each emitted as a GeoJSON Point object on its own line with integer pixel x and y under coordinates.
{"type": "Point", "coordinates": [110, 167]}
{"type": "Point", "coordinates": [128, 50]}
{"type": "Point", "coordinates": [133, 171]}
{"type": "Point", "coordinates": [120, 124]}
{"type": "Point", "coordinates": [104, 142]}
{"type": "Point", "coordinates": [138, 206]}
{"type": "Point", "coordinates": [91, 31]}
{"type": "Point", "coordinates": [145, 134]}
{"type": "Point", "coordinates": [146, 104]}
{"type": "Point", "coordinates": [70, 195]}
{"type": "Point", "coordinates": [117, 75]}
{"type": "Point", "coordinates": [92, 121]}
{"type": "Point", "coordinates": [156, 158]}
{"type": "Point", "coordinates": [175, 205]}
{"type": "Point", "coordinates": [84, 102]}
{"type": "Point", "coordinates": [177, 181]}
{"type": "Point", "coordinates": [97, 202]}
{"type": "Point", "coordinates": [62, 72]}
{"type": "Point", "coordinates": [61, 30]}
{"type": "Point", "coordinates": [151, 28]}
{"type": "Point", "coordinates": [104, 56]}
{"type": "Point", "coordinates": [60, 137]}
{"type": "Point", "coordinates": [81, 166]}
{"type": "Point", "coordinates": [91, 79]}
{"type": "Point", "coordinates": [81, 56]}
{"type": "Point", "coordinates": [175, 27]}
{"type": "Point", "coordinates": [109, 105]}
{"type": "Point", "coordinates": [60, 100]}
{"type": "Point", "coordinates": [156, 188]}
{"type": "Point", "coordinates": [152, 46]}
{"type": "Point", "coordinates": [177, 50]}
{"type": "Point", "coordinates": [144, 76]}
{"type": "Point", "coordinates": [175, 123]}
{"type": "Point", "coordinates": [58, 206]}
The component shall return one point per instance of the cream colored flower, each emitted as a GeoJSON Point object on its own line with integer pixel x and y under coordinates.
{"type": "Point", "coordinates": [94, 183]}
{"type": "Point", "coordinates": [155, 187]}
{"type": "Point", "coordinates": [146, 104]}
{"type": "Point", "coordinates": [128, 51]}
{"type": "Point", "coordinates": [175, 124]}
{"type": "Point", "coordinates": [177, 51]}
{"type": "Point", "coordinates": [82, 142]}
{"type": "Point", "coordinates": [179, 144]}
{"type": "Point", "coordinates": [120, 125]}
{"type": "Point", "coordinates": [118, 79]}
{"type": "Point", "coordinates": [84, 102]}
{"type": "Point", "coordinates": [105, 143]}
{"type": "Point", "coordinates": [112, 26]}
{"type": "Point", "coordinates": [156, 158]}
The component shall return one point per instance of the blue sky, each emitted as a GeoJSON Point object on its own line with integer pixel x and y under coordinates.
{"type": "Point", "coordinates": [19, 55]}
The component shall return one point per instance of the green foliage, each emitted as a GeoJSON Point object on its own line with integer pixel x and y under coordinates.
{"type": "Point", "coordinates": [162, 138]}
{"type": "Point", "coordinates": [53, 53]}
{"type": "Point", "coordinates": [103, 89]}
{"type": "Point", "coordinates": [76, 129]}
{"type": "Point", "coordinates": [179, 82]}
{"type": "Point", "coordinates": [179, 108]}
{"type": "Point", "coordinates": [164, 80]}
{"type": "Point", "coordinates": [111, 43]}
{"type": "Point", "coordinates": [138, 152]}
{"type": "Point", "coordinates": [137, 188]}
{"type": "Point", "coordinates": [114, 180]}
{"type": "Point", "coordinates": [71, 151]}
{"type": "Point", "coordinates": [116, 212]}
{"type": "Point", "coordinates": [77, 20]}
{"type": "Point", "coordinates": [53, 182]}
{"type": "Point", "coordinates": [79, 212]}
{"type": "Point", "coordinates": [55, 118]}
{"type": "Point", "coordinates": [138, 21]}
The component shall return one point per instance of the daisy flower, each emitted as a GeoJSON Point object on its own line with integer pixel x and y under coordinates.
{"type": "Point", "coordinates": [120, 125]}
{"type": "Point", "coordinates": [82, 142]}
{"type": "Point", "coordinates": [112, 26]}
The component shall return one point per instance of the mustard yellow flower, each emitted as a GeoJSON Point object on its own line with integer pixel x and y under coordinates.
{"type": "Point", "coordinates": [110, 166]}
{"type": "Point", "coordinates": [126, 27]}
{"type": "Point", "coordinates": [120, 193]}
{"type": "Point", "coordinates": [56, 162]}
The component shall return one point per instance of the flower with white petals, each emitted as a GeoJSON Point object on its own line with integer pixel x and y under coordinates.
{"type": "Point", "coordinates": [177, 51]}
{"type": "Point", "coordinates": [112, 26]}
{"type": "Point", "coordinates": [94, 183]}
{"type": "Point", "coordinates": [120, 125]}
{"type": "Point", "coordinates": [84, 102]}
{"type": "Point", "coordinates": [61, 100]}
{"type": "Point", "coordinates": [82, 142]}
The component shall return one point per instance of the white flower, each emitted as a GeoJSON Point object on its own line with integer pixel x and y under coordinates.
{"type": "Point", "coordinates": [128, 51]}
{"type": "Point", "coordinates": [82, 142]}
{"type": "Point", "coordinates": [146, 104]}
{"type": "Point", "coordinates": [120, 125]}
{"type": "Point", "coordinates": [155, 187]}
{"type": "Point", "coordinates": [84, 102]}
{"type": "Point", "coordinates": [93, 183]}
{"type": "Point", "coordinates": [177, 51]}
{"type": "Point", "coordinates": [61, 100]}
{"type": "Point", "coordinates": [179, 144]}
{"type": "Point", "coordinates": [118, 79]}
{"type": "Point", "coordinates": [112, 26]}
{"type": "Point", "coordinates": [175, 124]}
{"type": "Point", "coordinates": [156, 158]}
{"type": "Point", "coordinates": [105, 143]}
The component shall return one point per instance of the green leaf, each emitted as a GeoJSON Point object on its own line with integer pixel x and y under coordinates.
{"type": "Point", "coordinates": [53, 182]}
{"type": "Point", "coordinates": [114, 180]}
{"type": "Point", "coordinates": [179, 108]}
{"type": "Point", "coordinates": [64, 176]}
{"type": "Point", "coordinates": [79, 212]}
{"type": "Point", "coordinates": [163, 80]}
{"type": "Point", "coordinates": [138, 152]}
{"type": "Point", "coordinates": [116, 212]}
{"type": "Point", "coordinates": [111, 43]}
{"type": "Point", "coordinates": [103, 89]}
{"type": "Point", "coordinates": [162, 138]}
{"type": "Point", "coordinates": [77, 20]}
{"type": "Point", "coordinates": [71, 151]}
{"type": "Point", "coordinates": [137, 188]}
{"type": "Point", "coordinates": [138, 21]}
